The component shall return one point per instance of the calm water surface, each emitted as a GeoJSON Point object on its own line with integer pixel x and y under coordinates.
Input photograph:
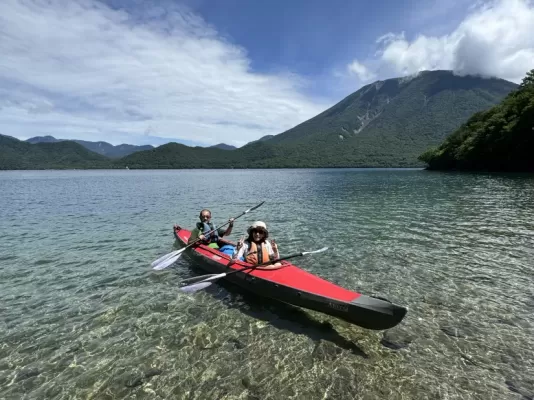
{"type": "Point", "coordinates": [84, 316]}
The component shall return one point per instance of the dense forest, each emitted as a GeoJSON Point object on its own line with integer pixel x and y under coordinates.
{"type": "Point", "coordinates": [16, 154]}
{"type": "Point", "coordinates": [498, 139]}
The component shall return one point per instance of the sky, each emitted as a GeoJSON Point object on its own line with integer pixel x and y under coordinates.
{"type": "Point", "coordinates": [202, 72]}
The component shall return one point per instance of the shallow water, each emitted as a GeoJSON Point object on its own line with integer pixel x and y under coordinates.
{"type": "Point", "coordinates": [84, 316]}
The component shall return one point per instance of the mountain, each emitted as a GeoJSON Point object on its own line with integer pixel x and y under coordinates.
{"type": "Point", "coordinates": [176, 155]}
{"type": "Point", "coordinates": [42, 139]}
{"type": "Point", "coordinates": [262, 139]}
{"type": "Point", "coordinates": [111, 151]}
{"type": "Point", "coordinates": [499, 139]}
{"type": "Point", "coordinates": [384, 124]}
{"type": "Point", "coordinates": [223, 146]}
{"type": "Point", "coordinates": [7, 136]}
{"type": "Point", "coordinates": [387, 123]}
{"type": "Point", "coordinates": [17, 154]}
{"type": "Point", "coordinates": [102, 148]}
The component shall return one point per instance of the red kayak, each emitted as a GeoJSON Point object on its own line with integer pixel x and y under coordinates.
{"type": "Point", "coordinates": [293, 285]}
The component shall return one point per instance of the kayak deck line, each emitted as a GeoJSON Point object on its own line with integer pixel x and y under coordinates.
{"type": "Point", "coordinates": [293, 285]}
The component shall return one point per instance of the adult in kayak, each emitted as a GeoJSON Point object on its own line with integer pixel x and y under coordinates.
{"type": "Point", "coordinates": [256, 249]}
{"type": "Point", "coordinates": [207, 232]}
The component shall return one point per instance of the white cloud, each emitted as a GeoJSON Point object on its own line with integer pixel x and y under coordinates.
{"type": "Point", "coordinates": [361, 71]}
{"type": "Point", "coordinates": [77, 68]}
{"type": "Point", "coordinates": [495, 39]}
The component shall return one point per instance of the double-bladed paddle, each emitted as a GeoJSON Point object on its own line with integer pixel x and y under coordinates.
{"type": "Point", "coordinates": [172, 257]}
{"type": "Point", "coordinates": [207, 280]}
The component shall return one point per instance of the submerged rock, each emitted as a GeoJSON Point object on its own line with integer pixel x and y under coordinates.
{"type": "Point", "coordinates": [153, 372]}
{"type": "Point", "coordinates": [134, 381]}
{"type": "Point", "coordinates": [236, 343]}
{"type": "Point", "coordinates": [396, 339]}
{"type": "Point", "coordinates": [27, 373]}
{"type": "Point", "coordinates": [513, 388]}
{"type": "Point", "coordinates": [140, 378]}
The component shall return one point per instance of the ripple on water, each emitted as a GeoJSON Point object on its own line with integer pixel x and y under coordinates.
{"type": "Point", "coordinates": [84, 316]}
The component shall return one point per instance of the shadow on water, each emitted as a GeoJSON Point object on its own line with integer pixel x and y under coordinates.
{"type": "Point", "coordinates": [281, 315]}
{"type": "Point", "coordinates": [275, 313]}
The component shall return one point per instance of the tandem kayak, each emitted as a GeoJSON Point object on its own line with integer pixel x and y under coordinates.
{"type": "Point", "coordinates": [297, 287]}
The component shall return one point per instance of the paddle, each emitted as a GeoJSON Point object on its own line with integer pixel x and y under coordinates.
{"type": "Point", "coordinates": [169, 259]}
{"type": "Point", "coordinates": [202, 277]}
{"type": "Point", "coordinates": [209, 279]}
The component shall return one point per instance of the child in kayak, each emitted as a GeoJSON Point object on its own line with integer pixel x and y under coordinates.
{"type": "Point", "coordinates": [256, 249]}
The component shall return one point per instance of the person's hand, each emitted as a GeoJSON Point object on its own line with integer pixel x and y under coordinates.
{"type": "Point", "coordinates": [240, 243]}
{"type": "Point", "coordinates": [231, 221]}
{"type": "Point", "coordinates": [274, 246]}
{"type": "Point", "coordinates": [202, 237]}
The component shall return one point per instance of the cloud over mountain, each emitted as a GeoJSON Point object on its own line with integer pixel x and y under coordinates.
{"type": "Point", "coordinates": [495, 39]}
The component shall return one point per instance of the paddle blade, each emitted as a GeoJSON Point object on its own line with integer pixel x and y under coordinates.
{"type": "Point", "coordinates": [253, 208]}
{"type": "Point", "coordinates": [195, 287]}
{"type": "Point", "coordinates": [169, 261]}
{"type": "Point", "coordinates": [214, 277]}
{"type": "Point", "coordinates": [198, 278]}
{"type": "Point", "coordinates": [164, 257]}
{"type": "Point", "coordinates": [315, 251]}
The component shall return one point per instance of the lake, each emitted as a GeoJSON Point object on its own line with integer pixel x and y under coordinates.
{"type": "Point", "coordinates": [84, 316]}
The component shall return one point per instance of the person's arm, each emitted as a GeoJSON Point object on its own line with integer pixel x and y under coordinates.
{"type": "Point", "coordinates": [240, 250]}
{"type": "Point", "coordinates": [274, 247]}
{"type": "Point", "coordinates": [273, 255]}
{"type": "Point", "coordinates": [195, 233]}
{"type": "Point", "coordinates": [228, 230]}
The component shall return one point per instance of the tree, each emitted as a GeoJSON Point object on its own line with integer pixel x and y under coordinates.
{"type": "Point", "coordinates": [528, 81]}
{"type": "Point", "coordinates": [499, 139]}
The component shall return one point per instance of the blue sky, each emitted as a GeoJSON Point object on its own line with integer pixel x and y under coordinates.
{"type": "Point", "coordinates": [201, 72]}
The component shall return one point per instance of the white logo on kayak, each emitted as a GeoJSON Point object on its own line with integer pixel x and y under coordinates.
{"type": "Point", "coordinates": [339, 307]}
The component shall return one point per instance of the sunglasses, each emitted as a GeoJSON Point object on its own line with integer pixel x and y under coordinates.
{"type": "Point", "coordinates": [206, 216]}
{"type": "Point", "coordinates": [258, 231]}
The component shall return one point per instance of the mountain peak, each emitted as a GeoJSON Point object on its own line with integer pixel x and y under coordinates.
{"type": "Point", "coordinates": [223, 146]}
{"type": "Point", "coordinates": [42, 139]}
{"type": "Point", "coordinates": [102, 148]}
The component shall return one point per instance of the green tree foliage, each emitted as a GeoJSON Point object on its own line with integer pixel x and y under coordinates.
{"type": "Point", "coordinates": [499, 139]}
{"type": "Point", "coordinates": [15, 154]}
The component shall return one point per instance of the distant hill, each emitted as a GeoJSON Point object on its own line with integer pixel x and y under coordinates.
{"type": "Point", "coordinates": [384, 124]}
{"type": "Point", "coordinates": [17, 154]}
{"type": "Point", "coordinates": [102, 148]}
{"type": "Point", "coordinates": [9, 137]}
{"type": "Point", "coordinates": [499, 139]}
{"type": "Point", "coordinates": [42, 139]}
{"type": "Point", "coordinates": [262, 139]}
{"type": "Point", "coordinates": [175, 155]}
{"type": "Point", "coordinates": [223, 146]}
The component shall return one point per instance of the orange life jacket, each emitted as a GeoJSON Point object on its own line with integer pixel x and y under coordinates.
{"type": "Point", "coordinates": [257, 255]}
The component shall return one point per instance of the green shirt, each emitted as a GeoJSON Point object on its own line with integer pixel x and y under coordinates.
{"type": "Point", "coordinates": [196, 232]}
